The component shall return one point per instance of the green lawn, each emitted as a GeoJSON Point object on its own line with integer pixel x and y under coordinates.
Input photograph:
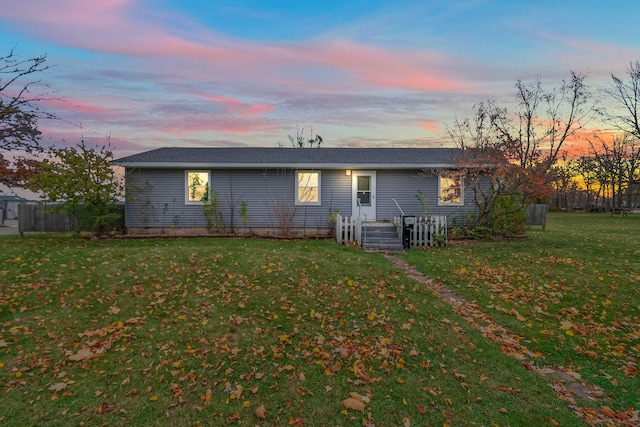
{"type": "Point", "coordinates": [191, 332]}
{"type": "Point", "coordinates": [571, 292]}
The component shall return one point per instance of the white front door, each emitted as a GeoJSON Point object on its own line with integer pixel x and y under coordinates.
{"type": "Point", "coordinates": [363, 190]}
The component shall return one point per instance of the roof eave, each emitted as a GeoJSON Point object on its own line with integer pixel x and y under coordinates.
{"type": "Point", "coordinates": [189, 165]}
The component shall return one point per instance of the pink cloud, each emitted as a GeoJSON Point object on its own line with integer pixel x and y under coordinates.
{"type": "Point", "coordinates": [146, 90]}
{"type": "Point", "coordinates": [352, 144]}
{"type": "Point", "coordinates": [111, 26]}
{"type": "Point", "coordinates": [430, 126]}
{"type": "Point", "coordinates": [65, 11]}
{"type": "Point", "coordinates": [74, 104]}
{"type": "Point", "coordinates": [203, 126]}
{"type": "Point", "coordinates": [386, 68]}
{"type": "Point", "coordinates": [601, 59]}
{"type": "Point", "coordinates": [237, 106]}
{"type": "Point", "coordinates": [116, 26]}
{"type": "Point", "coordinates": [204, 123]}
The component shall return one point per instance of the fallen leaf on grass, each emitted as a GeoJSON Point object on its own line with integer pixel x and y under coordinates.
{"type": "Point", "coordinates": [607, 411]}
{"type": "Point", "coordinates": [360, 397]}
{"type": "Point", "coordinates": [105, 407]}
{"type": "Point", "coordinates": [354, 404]}
{"type": "Point", "coordinates": [237, 392]}
{"type": "Point", "coordinates": [261, 412]}
{"type": "Point", "coordinates": [58, 386]}
{"type": "Point", "coordinates": [233, 417]}
{"type": "Point", "coordinates": [82, 354]}
{"type": "Point", "coordinates": [630, 370]}
{"type": "Point", "coordinates": [565, 325]}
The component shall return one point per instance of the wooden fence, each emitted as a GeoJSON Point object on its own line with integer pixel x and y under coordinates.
{"type": "Point", "coordinates": [537, 215]}
{"type": "Point", "coordinates": [425, 231]}
{"type": "Point", "coordinates": [348, 229]}
{"type": "Point", "coordinates": [38, 218]}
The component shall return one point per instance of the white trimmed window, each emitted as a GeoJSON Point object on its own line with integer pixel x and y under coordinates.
{"type": "Point", "coordinates": [450, 191]}
{"type": "Point", "coordinates": [307, 188]}
{"type": "Point", "coordinates": [197, 186]}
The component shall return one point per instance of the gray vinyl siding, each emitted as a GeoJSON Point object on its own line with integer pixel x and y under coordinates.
{"type": "Point", "coordinates": [270, 195]}
{"type": "Point", "coordinates": [156, 198]}
{"type": "Point", "coordinates": [404, 185]}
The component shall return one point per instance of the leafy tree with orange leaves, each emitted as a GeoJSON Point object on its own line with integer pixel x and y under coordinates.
{"type": "Point", "coordinates": [516, 149]}
{"type": "Point", "coordinates": [485, 168]}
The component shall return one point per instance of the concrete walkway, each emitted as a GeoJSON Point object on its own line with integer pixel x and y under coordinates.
{"type": "Point", "coordinates": [10, 227]}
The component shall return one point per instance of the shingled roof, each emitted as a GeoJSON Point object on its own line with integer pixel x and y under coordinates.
{"type": "Point", "coordinates": [327, 158]}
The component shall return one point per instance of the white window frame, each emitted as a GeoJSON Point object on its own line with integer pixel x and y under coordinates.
{"type": "Point", "coordinates": [441, 187]}
{"type": "Point", "coordinates": [187, 200]}
{"type": "Point", "coordinates": [302, 202]}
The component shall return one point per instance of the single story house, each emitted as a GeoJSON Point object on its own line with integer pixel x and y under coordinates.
{"type": "Point", "coordinates": [287, 191]}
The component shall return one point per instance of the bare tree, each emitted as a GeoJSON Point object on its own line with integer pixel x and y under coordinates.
{"type": "Point", "coordinates": [21, 94]}
{"type": "Point", "coordinates": [544, 120]}
{"type": "Point", "coordinates": [626, 93]}
{"type": "Point", "coordinates": [621, 157]}
{"type": "Point", "coordinates": [587, 169]}
{"type": "Point", "coordinates": [533, 135]}
{"type": "Point", "coordinates": [300, 141]}
{"type": "Point", "coordinates": [564, 183]}
{"type": "Point", "coordinates": [618, 163]}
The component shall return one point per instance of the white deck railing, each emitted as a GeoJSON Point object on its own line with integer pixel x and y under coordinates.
{"type": "Point", "coordinates": [348, 229]}
{"type": "Point", "coordinates": [425, 231]}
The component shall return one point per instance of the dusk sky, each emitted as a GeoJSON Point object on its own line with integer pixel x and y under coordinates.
{"type": "Point", "coordinates": [157, 73]}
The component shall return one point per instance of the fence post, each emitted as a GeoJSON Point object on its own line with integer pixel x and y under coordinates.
{"type": "Point", "coordinates": [537, 215]}
{"type": "Point", "coordinates": [22, 217]}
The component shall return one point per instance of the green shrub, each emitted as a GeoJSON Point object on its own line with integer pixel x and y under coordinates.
{"type": "Point", "coordinates": [508, 216]}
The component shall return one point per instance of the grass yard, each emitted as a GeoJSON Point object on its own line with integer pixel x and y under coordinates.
{"type": "Point", "coordinates": [189, 332]}
{"type": "Point", "coordinates": [571, 292]}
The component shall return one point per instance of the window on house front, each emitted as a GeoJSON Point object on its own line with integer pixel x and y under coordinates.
{"type": "Point", "coordinates": [307, 188]}
{"type": "Point", "coordinates": [197, 186]}
{"type": "Point", "coordinates": [450, 191]}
